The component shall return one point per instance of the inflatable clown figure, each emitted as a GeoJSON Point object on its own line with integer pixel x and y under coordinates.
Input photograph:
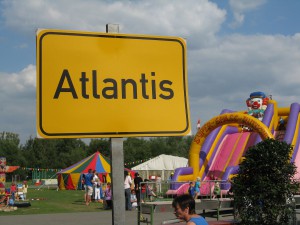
{"type": "Point", "coordinates": [257, 104]}
{"type": "Point", "coordinates": [2, 175]}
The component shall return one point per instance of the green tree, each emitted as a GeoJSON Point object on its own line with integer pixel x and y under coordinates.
{"type": "Point", "coordinates": [53, 153]}
{"type": "Point", "coordinates": [264, 185]}
{"type": "Point", "coordinates": [102, 145]}
{"type": "Point", "coordinates": [9, 148]}
{"type": "Point", "coordinates": [70, 151]}
{"type": "Point", "coordinates": [136, 149]}
{"type": "Point", "coordinates": [177, 146]}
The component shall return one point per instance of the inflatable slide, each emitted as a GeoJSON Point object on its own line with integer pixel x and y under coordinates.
{"type": "Point", "coordinates": [221, 143]}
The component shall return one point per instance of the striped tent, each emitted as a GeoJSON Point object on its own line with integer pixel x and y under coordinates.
{"type": "Point", "coordinates": [70, 178]}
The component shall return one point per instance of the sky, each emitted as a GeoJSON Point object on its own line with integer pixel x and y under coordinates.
{"type": "Point", "coordinates": [234, 47]}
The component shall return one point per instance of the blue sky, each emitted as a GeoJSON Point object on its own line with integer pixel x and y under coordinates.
{"type": "Point", "coordinates": [235, 47]}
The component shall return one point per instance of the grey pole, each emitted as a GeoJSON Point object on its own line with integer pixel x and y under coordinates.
{"type": "Point", "coordinates": [117, 166]}
{"type": "Point", "coordinates": [118, 191]}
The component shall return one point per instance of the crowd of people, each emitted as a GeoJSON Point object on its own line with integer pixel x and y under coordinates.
{"type": "Point", "coordinates": [135, 189]}
{"type": "Point", "coordinates": [15, 192]}
{"type": "Point", "coordinates": [194, 188]}
{"type": "Point", "coordinates": [95, 190]}
{"type": "Point", "coordinates": [18, 191]}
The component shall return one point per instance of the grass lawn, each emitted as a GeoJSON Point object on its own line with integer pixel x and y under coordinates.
{"type": "Point", "coordinates": [45, 201]}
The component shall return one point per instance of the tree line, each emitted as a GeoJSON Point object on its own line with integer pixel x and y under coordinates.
{"type": "Point", "coordinates": [61, 153]}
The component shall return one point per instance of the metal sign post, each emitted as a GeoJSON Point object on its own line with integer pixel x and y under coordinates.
{"type": "Point", "coordinates": [117, 166]}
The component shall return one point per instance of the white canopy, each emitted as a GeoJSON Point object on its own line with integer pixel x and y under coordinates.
{"type": "Point", "coordinates": [162, 162]}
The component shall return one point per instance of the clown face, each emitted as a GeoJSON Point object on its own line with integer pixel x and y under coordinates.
{"type": "Point", "coordinates": [256, 103]}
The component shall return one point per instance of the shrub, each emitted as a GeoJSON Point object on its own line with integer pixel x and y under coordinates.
{"type": "Point", "coordinates": [264, 186]}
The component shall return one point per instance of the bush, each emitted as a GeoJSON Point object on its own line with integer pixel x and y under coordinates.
{"type": "Point", "coordinates": [264, 186]}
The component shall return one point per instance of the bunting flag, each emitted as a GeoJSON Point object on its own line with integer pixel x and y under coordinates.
{"type": "Point", "coordinates": [13, 168]}
{"type": "Point", "coordinates": [136, 162]}
{"type": "Point", "coordinates": [40, 169]}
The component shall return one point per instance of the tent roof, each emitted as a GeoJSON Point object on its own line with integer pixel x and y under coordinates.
{"type": "Point", "coordinates": [162, 162]}
{"type": "Point", "coordinates": [95, 162]}
{"type": "Point", "coordinates": [10, 169]}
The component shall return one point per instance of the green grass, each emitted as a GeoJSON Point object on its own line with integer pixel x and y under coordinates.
{"type": "Point", "coordinates": [45, 201]}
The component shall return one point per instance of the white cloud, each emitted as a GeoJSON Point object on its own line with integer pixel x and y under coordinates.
{"type": "Point", "coordinates": [240, 7]}
{"type": "Point", "coordinates": [18, 83]}
{"type": "Point", "coordinates": [224, 75]}
{"type": "Point", "coordinates": [197, 19]}
{"type": "Point", "coordinates": [17, 98]}
{"type": "Point", "coordinates": [223, 71]}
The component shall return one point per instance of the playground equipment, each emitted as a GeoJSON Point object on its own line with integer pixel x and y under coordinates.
{"type": "Point", "coordinates": [2, 175]}
{"type": "Point", "coordinates": [221, 143]}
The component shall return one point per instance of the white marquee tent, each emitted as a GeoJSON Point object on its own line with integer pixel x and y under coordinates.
{"type": "Point", "coordinates": [162, 163]}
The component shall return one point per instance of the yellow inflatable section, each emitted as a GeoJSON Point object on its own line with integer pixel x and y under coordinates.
{"type": "Point", "coordinates": [206, 129]}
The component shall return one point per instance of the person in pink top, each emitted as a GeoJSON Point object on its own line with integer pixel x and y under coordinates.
{"type": "Point", "coordinates": [127, 187]}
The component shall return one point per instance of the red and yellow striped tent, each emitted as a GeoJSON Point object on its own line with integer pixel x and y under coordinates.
{"type": "Point", "coordinates": [70, 178]}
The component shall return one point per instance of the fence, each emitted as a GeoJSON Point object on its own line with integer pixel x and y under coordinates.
{"type": "Point", "coordinates": [163, 174]}
{"type": "Point", "coordinates": [169, 189]}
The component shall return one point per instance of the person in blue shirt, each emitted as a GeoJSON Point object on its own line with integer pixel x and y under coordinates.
{"type": "Point", "coordinates": [184, 208]}
{"type": "Point", "coordinates": [197, 188]}
{"type": "Point", "coordinates": [88, 180]}
{"type": "Point", "coordinates": [191, 189]}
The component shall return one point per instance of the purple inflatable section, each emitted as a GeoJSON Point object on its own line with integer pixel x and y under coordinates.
{"type": "Point", "coordinates": [291, 127]}
{"type": "Point", "coordinates": [266, 120]}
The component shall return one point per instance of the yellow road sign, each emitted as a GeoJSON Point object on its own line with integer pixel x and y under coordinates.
{"type": "Point", "coordinates": [110, 85]}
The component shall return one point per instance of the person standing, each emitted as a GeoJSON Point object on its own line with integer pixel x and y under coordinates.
{"type": "Point", "coordinates": [95, 177]}
{"type": "Point", "coordinates": [127, 184]}
{"type": "Point", "coordinates": [137, 187]}
{"type": "Point", "coordinates": [25, 189]}
{"type": "Point", "coordinates": [88, 180]}
{"type": "Point", "coordinates": [191, 189]}
{"type": "Point", "coordinates": [98, 191]}
{"type": "Point", "coordinates": [184, 208]}
{"type": "Point", "coordinates": [171, 176]}
{"type": "Point", "coordinates": [108, 196]}
{"type": "Point", "coordinates": [13, 190]}
{"type": "Point", "coordinates": [197, 188]}
{"type": "Point", "coordinates": [158, 184]}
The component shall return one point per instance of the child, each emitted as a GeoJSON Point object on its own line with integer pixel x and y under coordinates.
{"type": "Point", "coordinates": [98, 191]}
{"type": "Point", "coordinates": [133, 198]}
{"type": "Point", "coordinates": [24, 188]}
{"type": "Point", "coordinates": [217, 190]}
{"type": "Point", "coordinates": [107, 193]}
{"type": "Point", "coordinates": [197, 188]}
{"type": "Point", "coordinates": [191, 189]}
{"type": "Point", "coordinates": [150, 192]}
